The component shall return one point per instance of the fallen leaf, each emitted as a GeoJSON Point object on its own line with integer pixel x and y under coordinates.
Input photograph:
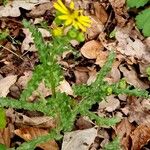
{"type": "Point", "coordinates": [6, 83]}
{"type": "Point", "coordinates": [12, 7]}
{"type": "Point", "coordinates": [131, 47]}
{"type": "Point", "coordinates": [100, 12]}
{"type": "Point", "coordinates": [131, 77]}
{"type": "Point", "coordinates": [91, 49]}
{"type": "Point", "coordinates": [40, 121]}
{"type": "Point", "coordinates": [110, 104]}
{"type": "Point", "coordinates": [140, 136]}
{"type": "Point", "coordinates": [65, 87]}
{"type": "Point", "coordinates": [95, 29]}
{"type": "Point", "coordinates": [39, 10]}
{"type": "Point", "coordinates": [138, 113]}
{"type": "Point", "coordinates": [28, 43]}
{"type": "Point", "coordinates": [79, 140]}
{"type": "Point", "coordinates": [123, 130]}
{"type": "Point", "coordinates": [6, 135]}
{"type": "Point", "coordinates": [30, 133]}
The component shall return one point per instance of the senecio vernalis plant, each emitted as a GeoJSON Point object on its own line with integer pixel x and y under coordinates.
{"type": "Point", "coordinates": [60, 106]}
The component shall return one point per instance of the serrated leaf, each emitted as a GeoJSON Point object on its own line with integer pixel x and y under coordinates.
{"type": "Point", "coordinates": [2, 118]}
{"type": "Point", "coordinates": [136, 3]}
{"type": "Point", "coordinates": [143, 21]}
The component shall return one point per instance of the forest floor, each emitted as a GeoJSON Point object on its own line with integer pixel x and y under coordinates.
{"type": "Point", "coordinates": [113, 28]}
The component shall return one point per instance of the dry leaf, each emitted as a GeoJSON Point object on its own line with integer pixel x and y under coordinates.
{"type": "Point", "coordinates": [12, 7]}
{"type": "Point", "coordinates": [100, 12]}
{"type": "Point", "coordinates": [131, 77]}
{"type": "Point", "coordinates": [91, 49]}
{"type": "Point", "coordinates": [6, 83]}
{"type": "Point", "coordinates": [131, 47]}
{"type": "Point", "coordinates": [138, 113]}
{"type": "Point", "coordinates": [110, 104]}
{"type": "Point", "coordinates": [140, 136]}
{"type": "Point", "coordinates": [95, 29]}
{"type": "Point", "coordinates": [28, 43]}
{"type": "Point", "coordinates": [79, 140]}
{"type": "Point", "coordinates": [65, 87]}
{"type": "Point", "coordinates": [41, 121]}
{"type": "Point", "coordinates": [30, 133]}
{"type": "Point", "coordinates": [40, 10]}
{"type": "Point", "coordinates": [6, 135]}
{"type": "Point", "coordinates": [123, 130]}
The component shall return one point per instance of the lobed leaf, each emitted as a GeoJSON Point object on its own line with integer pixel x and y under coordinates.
{"type": "Point", "coordinates": [136, 3]}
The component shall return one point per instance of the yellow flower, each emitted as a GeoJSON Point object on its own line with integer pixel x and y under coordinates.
{"type": "Point", "coordinates": [73, 17]}
{"type": "Point", "coordinates": [57, 31]}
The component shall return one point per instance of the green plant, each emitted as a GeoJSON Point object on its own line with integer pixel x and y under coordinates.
{"type": "Point", "coordinates": [142, 19]}
{"type": "Point", "coordinates": [60, 106]}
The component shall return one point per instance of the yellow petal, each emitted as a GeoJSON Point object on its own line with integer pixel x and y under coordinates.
{"type": "Point", "coordinates": [71, 5]}
{"type": "Point", "coordinates": [62, 5]}
{"type": "Point", "coordinates": [59, 8]}
{"type": "Point", "coordinates": [64, 17]}
{"type": "Point", "coordinates": [86, 24]}
{"type": "Point", "coordinates": [85, 18]}
{"type": "Point", "coordinates": [81, 27]}
{"type": "Point", "coordinates": [68, 22]}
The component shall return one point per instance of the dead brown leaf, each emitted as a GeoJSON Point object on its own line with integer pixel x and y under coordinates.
{"type": "Point", "coordinates": [30, 133]}
{"type": "Point", "coordinates": [138, 113]}
{"type": "Point", "coordinates": [95, 29]}
{"type": "Point", "coordinates": [100, 12]}
{"type": "Point", "coordinates": [40, 121]}
{"type": "Point", "coordinates": [91, 49]}
{"type": "Point", "coordinates": [123, 130]}
{"type": "Point", "coordinates": [140, 136]}
{"type": "Point", "coordinates": [6, 135]}
{"type": "Point", "coordinates": [131, 77]}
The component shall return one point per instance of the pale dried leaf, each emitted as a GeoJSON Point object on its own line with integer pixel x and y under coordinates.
{"type": "Point", "coordinates": [65, 87]}
{"type": "Point", "coordinates": [30, 133]}
{"type": "Point", "coordinates": [110, 104]}
{"type": "Point", "coordinates": [40, 10]}
{"type": "Point", "coordinates": [81, 139]}
{"type": "Point", "coordinates": [6, 83]}
{"type": "Point", "coordinates": [132, 48]}
{"type": "Point", "coordinates": [28, 43]}
{"type": "Point", "coordinates": [12, 8]}
{"type": "Point", "coordinates": [131, 77]}
{"type": "Point", "coordinates": [40, 121]}
{"type": "Point", "coordinates": [91, 49]}
{"type": "Point", "coordinates": [140, 136]}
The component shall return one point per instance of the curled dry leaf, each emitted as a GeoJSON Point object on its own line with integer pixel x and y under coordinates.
{"type": "Point", "coordinates": [6, 83]}
{"type": "Point", "coordinates": [95, 29]}
{"type": "Point", "coordinates": [81, 139]}
{"type": "Point", "coordinates": [131, 47]}
{"type": "Point", "coordinates": [30, 133]}
{"type": "Point", "coordinates": [140, 136]}
{"type": "Point", "coordinates": [123, 130]}
{"type": "Point", "coordinates": [91, 49]}
{"type": "Point", "coordinates": [65, 87]}
{"type": "Point", "coordinates": [40, 121]}
{"type": "Point", "coordinates": [131, 77]}
{"type": "Point", "coordinates": [138, 113]}
{"type": "Point", "coordinates": [28, 43]}
{"type": "Point", "coordinates": [100, 12]}
{"type": "Point", "coordinates": [40, 9]}
{"type": "Point", "coordinates": [110, 104]}
{"type": "Point", "coordinates": [6, 135]}
{"type": "Point", "coordinates": [12, 8]}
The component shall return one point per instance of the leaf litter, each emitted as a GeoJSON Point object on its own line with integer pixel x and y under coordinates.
{"type": "Point", "coordinates": [132, 59]}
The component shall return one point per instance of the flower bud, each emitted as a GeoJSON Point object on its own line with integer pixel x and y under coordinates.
{"type": "Point", "coordinates": [80, 37]}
